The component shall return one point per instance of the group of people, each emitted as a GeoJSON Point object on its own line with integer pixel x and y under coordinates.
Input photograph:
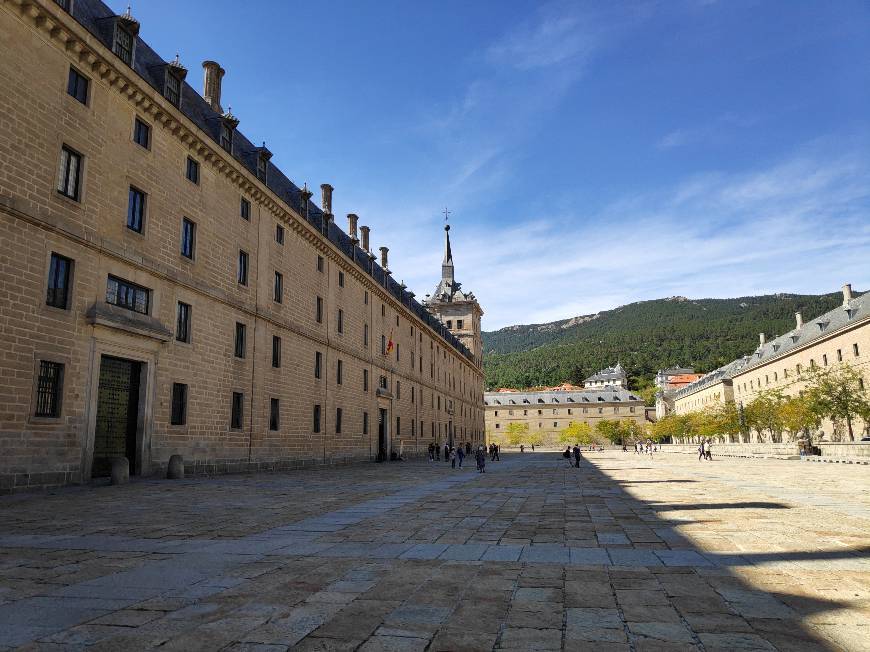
{"type": "Point", "coordinates": [575, 453]}
{"type": "Point", "coordinates": [640, 448]}
{"type": "Point", "coordinates": [454, 454]}
{"type": "Point", "coordinates": [704, 450]}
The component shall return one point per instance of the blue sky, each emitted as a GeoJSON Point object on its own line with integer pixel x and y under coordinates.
{"type": "Point", "coordinates": [591, 154]}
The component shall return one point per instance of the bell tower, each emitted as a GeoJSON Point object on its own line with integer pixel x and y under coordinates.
{"type": "Point", "coordinates": [457, 310]}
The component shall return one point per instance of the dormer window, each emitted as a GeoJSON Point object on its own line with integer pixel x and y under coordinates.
{"type": "Point", "coordinates": [124, 45]}
{"type": "Point", "coordinates": [262, 166]}
{"type": "Point", "coordinates": [227, 137]}
{"type": "Point", "coordinates": [172, 90]}
{"type": "Point", "coordinates": [822, 325]}
{"type": "Point", "coordinates": [775, 348]}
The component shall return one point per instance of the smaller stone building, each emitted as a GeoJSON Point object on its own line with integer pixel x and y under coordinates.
{"type": "Point", "coordinates": [550, 412]}
{"type": "Point", "coordinates": [608, 377]}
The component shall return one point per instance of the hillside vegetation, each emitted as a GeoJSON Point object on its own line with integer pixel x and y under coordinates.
{"type": "Point", "coordinates": [644, 337]}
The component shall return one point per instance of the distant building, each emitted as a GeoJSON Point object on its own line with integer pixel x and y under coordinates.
{"type": "Point", "coordinates": [550, 412]}
{"type": "Point", "coordinates": [668, 381]}
{"type": "Point", "coordinates": [607, 377]}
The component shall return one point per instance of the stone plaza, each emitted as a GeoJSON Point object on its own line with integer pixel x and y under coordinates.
{"type": "Point", "coordinates": [626, 553]}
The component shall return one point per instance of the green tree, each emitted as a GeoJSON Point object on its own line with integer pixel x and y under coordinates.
{"type": "Point", "coordinates": [536, 438]}
{"type": "Point", "coordinates": [576, 433]}
{"type": "Point", "coordinates": [798, 416]}
{"type": "Point", "coordinates": [671, 426]}
{"type": "Point", "coordinates": [611, 430]}
{"type": "Point", "coordinates": [517, 433]}
{"type": "Point", "coordinates": [838, 394]}
{"type": "Point", "coordinates": [764, 414]}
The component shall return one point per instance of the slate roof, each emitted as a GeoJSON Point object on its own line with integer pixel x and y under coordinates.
{"type": "Point", "coordinates": [725, 372]}
{"type": "Point", "coordinates": [97, 18]}
{"type": "Point", "coordinates": [609, 373]}
{"type": "Point", "coordinates": [583, 398]}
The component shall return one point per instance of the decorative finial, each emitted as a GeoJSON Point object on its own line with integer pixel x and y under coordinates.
{"type": "Point", "coordinates": [446, 219]}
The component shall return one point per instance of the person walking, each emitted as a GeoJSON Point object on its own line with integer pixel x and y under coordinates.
{"type": "Point", "coordinates": [452, 458]}
{"type": "Point", "coordinates": [701, 451]}
{"type": "Point", "coordinates": [460, 453]}
{"type": "Point", "coordinates": [522, 449]}
{"type": "Point", "coordinates": [468, 448]}
{"type": "Point", "coordinates": [576, 456]}
{"type": "Point", "coordinates": [446, 452]}
{"type": "Point", "coordinates": [497, 451]}
{"type": "Point", "coordinates": [481, 460]}
{"type": "Point", "coordinates": [431, 452]}
{"type": "Point", "coordinates": [707, 452]}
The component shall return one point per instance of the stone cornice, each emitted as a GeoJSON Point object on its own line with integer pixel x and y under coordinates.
{"type": "Point", "coordinates": [47, 17]}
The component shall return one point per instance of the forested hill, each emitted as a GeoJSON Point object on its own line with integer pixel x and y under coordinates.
{"type": "Point", "coordinates": [644, 336]}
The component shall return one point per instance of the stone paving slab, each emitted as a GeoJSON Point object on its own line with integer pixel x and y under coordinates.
{"type": "Point", "coordinates": [626, 553]}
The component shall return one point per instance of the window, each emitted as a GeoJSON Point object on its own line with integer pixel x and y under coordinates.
{"type": "Point", "coordinates": [172, 89]}
{"type": "Point", "coordinates": [127, 295]}
{"type": "Point", "coordinates": [226, 139]}
{"type": "Point", "coordinates": [412, 394]}
{"type": "Point", "coordinates": [449, 323]}
{"type": "Point", "coordinates": [341, 279]}
{"type": "Point", "coordinates": [459, 324]}
{"type": "Point", "coordinates": [397, 351]}
{"type": "Point", "coordinates": [337, 421]}
{"type": "Point", "coordinates": [855, 349]}
{"type": "Point", "coordinates": [318, 314]}
{"type": "Point", "coordinates": [340, 322]}
{"type": "Point", "coordinates": [279, 234]}
{"type": "Point", "coordinates": [398, 390]}
{"type": "Point", "coordinates": [179, 404]}
{"type": "Point", "coordinates": [141, 134]}
{"type": "Point", "coordinates": [245, 209]}
{"type": "Point", "coordinates": [274, 412]}
{"type": "Point", "coordinates": [278, 294]}
{"type": "Point", "coordinates": [188, 238]}
{"type": "Point", "coordinates": [236, 413]}
{"type": "Point", "coordinates": [316, 418]}
{"type": "Point", "coordinates": [318, 363]}
{"type": "Point", "coordinates": [77, 85]}
{"type": "Point", "coordinates": [276, 351]}
{"type": "Point", "coordinates": [824, 359]}
{"type": "Point", "coordinates": [182, 322]}
{"type": "Point", "coordinates": [383, 345]}
{"type": "Point", "coordinates": [366, 299]}
{"type": "Point", "coordinates": [839, 355]}
{"type": "Point", "coordinates": [365, 423]}
{"type": "Point", "coordinates": [49, 386]}
{"type": "Point", "coordinates": [398, 426]}
{"type": "Point", "coordinates": [70, 173]}
{"type": "Point", "coordinates": [365, 335]}
{"type": "Point", "coordinates": [383, 310]}
{"type": "Point", "coordinates": [243, 268]}
{"type": "Point", "coordinates": [240, 340]}
{"type": "Point", "coordinates": [136, 210]}
{"type": "Point", "coordinates": [365, 380]}
{"type": "Point", "coordinates": [192, 170]}
{"type": "Point", "coordinates": [339, 372]}
{"type": "Point", "coordinates": [383, 382]}
{"type": "Point", "coordinates": [123, 46]}
{"type": "Point", "coordinates": [262, 167]}
{"type": "Point", "coordinates": [57, 295]}
{"type": "Point", "coordinates": [320, 263]}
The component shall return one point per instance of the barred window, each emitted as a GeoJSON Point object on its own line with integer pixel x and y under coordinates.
{"type": "Point", "coordinates": [59, 269]}
{"type": "Point", "coordinates": [123, 45]}
{"type": "Point", "coordinates": [179, 404]}
{"type": "Point", "coordinates": [172, 90]}
{"type": "Point", "coordinates": [48, 389]}
{"type": "Point", "coordinates": [127, 295]}
{"type": "Point", "coordinates": [276, 351]}
{"type": "Point", "coordinates": [262, 168]}
{"type": "Point", "coordinates": [226, 140]}
{"type": "Point", "coordinates": [236, 410]}
{"type": "Point", "coordinates": [70, 173]}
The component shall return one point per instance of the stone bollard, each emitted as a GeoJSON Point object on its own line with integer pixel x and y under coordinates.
{"type": "Point", "coordinates": [175, 470]}
{"type": "Point", "coordinates": [120, 470]}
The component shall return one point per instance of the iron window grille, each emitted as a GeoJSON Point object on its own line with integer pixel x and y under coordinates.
{"type": "Point", "coordinates": [70, 173]}
{"type": "Point", "coordinates": [59, 269]}
{"type": "Point", "coordinates": [142, 134]}
{"type": "Point", "coordinates": [236, 412]}
{"type": "Point", "coordinates": [240, 340]}
{"type": "Point", "coordinates": [182, 325]}
{"type": "Point", "coordinates": [226, 139]}
{"type": "Point", "coordinates": [172, 89]}
{"type": "Point", "coordinates": [262, 168]}
{"type": "Point", "coordinates": [77, 85]}
{"type": "Point", "coordinates": [48, 389]}
{"type": "Point", "coordinates": [318, 363]}
{"type": "Point", "coordinates": [179, 404]}
{"type": "Point", "coordinates": [136, 210]}
{"type": "Point", "coordinates": [127, 295]}
{"type": "Point", "coordinates": [123, 46]}
{"type": "Point", "coordinates": [188, 238]}
{"type": "Point", "coordinates": [276, 351]}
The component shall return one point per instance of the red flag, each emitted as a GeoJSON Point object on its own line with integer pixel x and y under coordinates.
{"type": "Point", "coordinates": [390, 343]}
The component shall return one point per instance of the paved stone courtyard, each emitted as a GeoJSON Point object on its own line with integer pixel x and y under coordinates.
{"type": "Point", "coordinates": [626, 553]}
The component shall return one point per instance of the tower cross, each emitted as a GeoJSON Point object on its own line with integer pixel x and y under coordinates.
{"type": "Point", "coordinates": [446, 214]}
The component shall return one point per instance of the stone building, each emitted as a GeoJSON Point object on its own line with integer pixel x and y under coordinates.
{"type": "Point", "coordinates": [838, 337]}
{"type": "Point", "coordinates": [608, 377]}
{"type": "Point", "coordinates": [668, 382]}
{"type": "Point", "coordinates": [550, 412]}
{"type": "Point", "coordinates": [167, 289]}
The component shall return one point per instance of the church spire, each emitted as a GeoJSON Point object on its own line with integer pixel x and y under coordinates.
{"type": "Point", "coordinates": [447, 264]}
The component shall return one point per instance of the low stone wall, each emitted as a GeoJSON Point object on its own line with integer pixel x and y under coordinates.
{"type": "Point", "coordinates": [830, 451]}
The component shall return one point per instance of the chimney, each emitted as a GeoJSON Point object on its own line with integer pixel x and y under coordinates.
{"type": "Point", "coordinates": [847, 294]}
{"type": "Point", "coordinates": [365, 237]}
{"type": "Point", "coordinates": [760, 339]}
{"type": "Point", "coordinates": [799, 320]}
{"type": "Point", "coordinates": [211, 84]}
{"type": "Point", "coordinates": [351, 227]}
{"type": "Point", "coordinates": [326, 195]}
{"type": "Point", "coordinates": [384, 252]}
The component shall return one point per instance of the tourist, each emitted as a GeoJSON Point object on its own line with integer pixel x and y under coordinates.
{"type": "Point", "coordinates": [446, 452]}
{"type": "Point", "coordinates": [497, 451]}
{"type": "Point", "coordinates": [431, 452]}
{"type": "Point", "coordinates": [522, 449]}
{"type": "Point", "coordinates": [481, 460]}
{"type": "Point", "coordinates": [452, 456]}
{"type": "Point", "coordinates": [701, 451]}
{"type": "Point", "coordinates": [707, 452]}
{"type": "Point", "coordinates": [460, 453]}
{"type": "Point", "coordinates": [576, 456]}
{"type": "Point", "coordinates": [468, 448]}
